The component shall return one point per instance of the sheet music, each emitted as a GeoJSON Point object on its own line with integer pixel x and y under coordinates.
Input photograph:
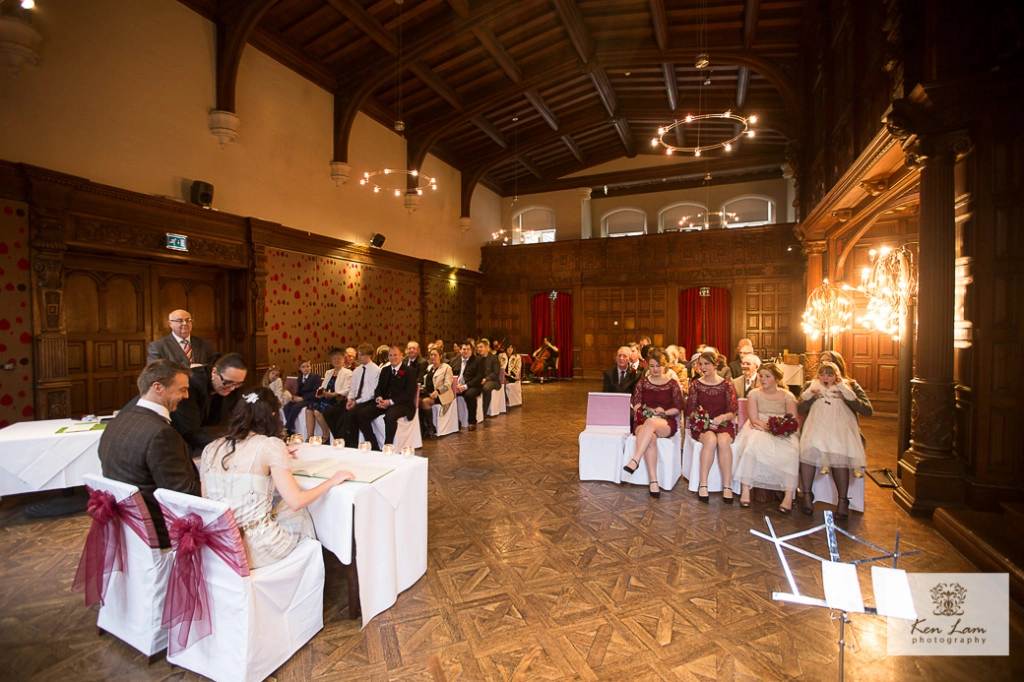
{"type": "Point", "coordinates": [842, 589]}
{"type": "Point", "coordinates": [893, 597]}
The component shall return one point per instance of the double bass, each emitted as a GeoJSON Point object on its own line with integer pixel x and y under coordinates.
{"type": "Point", "coordinates": [540, 360]}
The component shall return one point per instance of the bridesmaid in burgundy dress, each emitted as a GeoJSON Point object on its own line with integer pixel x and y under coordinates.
{"type": "Point", "coordinates": [718, 398]}
{"type": "Point", "coordinates": [657, 402]}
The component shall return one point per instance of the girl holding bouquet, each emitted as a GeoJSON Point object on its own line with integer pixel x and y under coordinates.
{"type": "Point", "coordinates": [657, 402]}
{"type": "Point", "coordinates": [767, 448]}
{"type": "Point", "coordinates": [711, 406]}
{"type": "Point", "coordinates": [830, 438]}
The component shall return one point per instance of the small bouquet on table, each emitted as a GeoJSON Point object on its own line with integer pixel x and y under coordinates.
{"type": "Point", "coordinates": [783, 426]}
{"type": "Point", "coordinates": [700, 421]}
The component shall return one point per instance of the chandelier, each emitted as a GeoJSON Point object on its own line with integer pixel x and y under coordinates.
{"type": "Point", "coordinates": [696, 150]}
{"type": "Point", "coordinates": [829, 311]}
{"type": "Point", "coordinates": [891, 285]}
{"type": "Point", "coordinates": [378, 180]}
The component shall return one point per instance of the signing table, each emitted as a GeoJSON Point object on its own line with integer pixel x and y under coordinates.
{"type": "Point", "coordinates": [388, 519]}
{"type": "Point", "coordinates": [34, 456]}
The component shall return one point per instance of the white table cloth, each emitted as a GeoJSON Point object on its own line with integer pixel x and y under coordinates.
{"type": "Point", "coordinates": [34, 457]}
{"type": "Point", "coordinates": [389, 517]}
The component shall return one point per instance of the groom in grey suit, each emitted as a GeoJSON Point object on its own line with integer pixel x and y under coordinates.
{"type": "Point", "coordinates": [142, 448]}
{"type": "Point", "coordinates": [180, 344]}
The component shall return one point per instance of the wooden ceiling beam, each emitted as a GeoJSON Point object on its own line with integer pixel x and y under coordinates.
{"type": "Point", "coordinates": [498, 52]}
{"type": "Point", "coordinates": [491, 132]}
{"type": "Point", "coordinates": [572, 21]}
{"type": "Point", "coordinates": [461, 7]}
{"type": "Point", "coordinates": [659, 21]}
{"type": "Point", "coordinates": [742, 82]}
{"type": "Point", "coordinates": [668, 72]}
{"type": "Point", "coordinates": [367, 23]}
{"type": "Point", "coordinates": [529, 165]}
{"type": "Point", "coordinates": [235, 24]}
{"type": "Point", "coordinates": [750, 15]}
{"type": "Point", "coordinates": [573, 148]}
{"type": "Point", "coordinates": [534, 98]}
{"type": "Point", "coordinates": [436, 83]}
{"type": "Point", "coordinates": [626, 135]}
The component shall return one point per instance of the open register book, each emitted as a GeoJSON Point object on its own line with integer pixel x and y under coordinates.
{"type": "Point", "coordinates": [325, 468]}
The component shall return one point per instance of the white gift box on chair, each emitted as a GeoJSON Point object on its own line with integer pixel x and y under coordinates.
{"type": "Point", "coordinates": [603, 442]}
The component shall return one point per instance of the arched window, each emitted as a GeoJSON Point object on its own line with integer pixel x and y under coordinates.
{"type": "Point", "coordinates": [681, 217]}
{"type": "Point", "coordinates": [533, 225]}
{"type": "Point", "coordinates": [624, 222]}
{"type": "Point", "coordinates": [749, 211]}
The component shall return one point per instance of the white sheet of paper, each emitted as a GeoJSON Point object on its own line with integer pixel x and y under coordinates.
{"type": "Point", "coordinates": [78, 428]}
{"type": "Point", "coordinates": [842, 589]}
{"type": "Point", "coordinates": [892, 593]}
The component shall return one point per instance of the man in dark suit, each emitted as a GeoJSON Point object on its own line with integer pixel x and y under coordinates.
{"type": "Point", "coordinates": [142, 448]}
{"type": "Point", "coordinates": [180, 346]}
{"type": "Point", "coordinates": [744, 348]}
{"type": "Point", "coordinates": [469, 373]}
{"type": "Point", "coordinates": [621, 378]}
{"type": "Point", "coordinates": [212, 392]}
{"type": "Point", "coordinates": [491, 380]}
{"type": "Point", "coordinates": [414, 361]}
{"type": "Point", "coordinates": [396, 397]}
{"type": "Point", "coordinates": [748, 380]}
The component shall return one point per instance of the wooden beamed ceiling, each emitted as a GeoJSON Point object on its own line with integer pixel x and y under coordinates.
{"type": "Point", "coordinates": [520, 94]}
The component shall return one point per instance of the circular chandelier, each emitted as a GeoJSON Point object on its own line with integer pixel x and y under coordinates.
{"type": "Point", "coordinates": [379, 179]}
{"type": "Point", "coordinates": [670, 148]}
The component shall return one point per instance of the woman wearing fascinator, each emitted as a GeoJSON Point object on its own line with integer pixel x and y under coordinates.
{"type": "Point", "coordinates": [243, 469]}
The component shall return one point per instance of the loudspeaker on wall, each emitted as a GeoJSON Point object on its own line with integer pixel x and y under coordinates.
{"type": "Point", "coordinates": [377, 239]}
{"type": "Point", "coordinates": [202, 193]}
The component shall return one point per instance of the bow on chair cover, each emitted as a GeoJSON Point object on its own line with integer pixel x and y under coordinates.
{"type": "Point", "coordinates": [104, 545]}
{"type": "Point", "coordinates": [187, 608]}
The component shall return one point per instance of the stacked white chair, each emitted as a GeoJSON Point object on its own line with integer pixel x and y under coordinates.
{"type": "Point", "coordinates": [669, 462]}
{"type": "Point", "coordinates": [132, 608]}
{"type": "Point", "coordinates": [514, 394]}
{"type": "Point", "coordinates": [603, 441]}
{"type": "Point", "coordinates": [497, 405]}
{"type": "Point", "coordinates": [447, 423]}
{"type": "Point", "coordinates": [464, 411]}
{"type": "Point", "coordinates": [261, 618]}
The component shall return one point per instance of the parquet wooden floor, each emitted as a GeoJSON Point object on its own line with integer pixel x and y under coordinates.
{"type": "Point", "coordinates": [533, 575]}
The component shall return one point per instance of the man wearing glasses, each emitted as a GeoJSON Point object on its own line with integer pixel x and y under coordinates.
{"type": "Point", "coordinates": [212, 393]}
{"type": "Point", "coordinates": [180, 346]}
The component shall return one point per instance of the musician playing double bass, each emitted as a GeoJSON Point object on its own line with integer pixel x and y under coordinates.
{"type": "Point", "coordinates": [544, 358]}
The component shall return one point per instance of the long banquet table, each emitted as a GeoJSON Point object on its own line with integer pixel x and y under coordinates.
{"type": "Point", "coordinates": [34, 457]}
{"type": "Point", "coordinates": [388, 519]}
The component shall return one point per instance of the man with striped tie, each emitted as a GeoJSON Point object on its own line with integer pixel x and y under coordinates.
{"type": "Point", "coordinates": [180, 345]}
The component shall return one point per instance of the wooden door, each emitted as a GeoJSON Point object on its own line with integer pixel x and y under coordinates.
{"type": "Point", "coordinates": [202, 292]}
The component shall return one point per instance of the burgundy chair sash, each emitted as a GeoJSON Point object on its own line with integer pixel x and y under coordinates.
{"type": "Point", "coordinates": [187, 607]}
{"type": "Point", "coordinates": [104, 550]}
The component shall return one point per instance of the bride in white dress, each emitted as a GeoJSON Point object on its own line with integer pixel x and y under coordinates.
{"type": "Point", "coordinates": [765, 460]}
{"type": "Point", "coordinates": [242, 470]}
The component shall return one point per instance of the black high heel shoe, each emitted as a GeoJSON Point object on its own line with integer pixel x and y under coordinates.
{"type": "Point", "coordinates": [703, 498]}
{"type": "Point", "coordinates": [727, 500]}
{"type": "Point", "coordinates": [655, 493]}
{"type": "Point", "coordinates": [844, 503]}
{"type": "Point", "coordinates": [633, 470]}
{"type": "Point", "coordinates": [805, 507]}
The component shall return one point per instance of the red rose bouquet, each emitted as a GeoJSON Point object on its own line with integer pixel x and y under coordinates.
{"type": "Point", "coordinates": [700, 421]}
{"type": "Point", "coordinates": [785, 425]}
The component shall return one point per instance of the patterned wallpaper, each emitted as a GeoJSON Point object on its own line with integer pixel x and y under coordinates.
{"type": "Point", "coordinates": [448, 306]}
{"type": "Point", "coordinates": [15, 315]}
{"type": "Point", "coordinates": [314, 303]}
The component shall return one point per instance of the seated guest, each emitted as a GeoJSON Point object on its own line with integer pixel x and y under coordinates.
{"type": "Point", "coordinates": [180, 345]}
{"type": "Point", "coordinates": [764, 460]}
{"type": "Point", "coordinates": [437, 387]}
{"type": "Point", "coordinates": [645, 346]}
{"type": "Point", "coordinates": [351, 361]}
{"type": "Point", "coordinates": [305, 394]}
{"type": "Point", "coordinates": [722, 367]}
{"type": "Point", "coordinates": [362, 387]}
{"type": "Point", "coordinates": [621, 378]}
{"type": "Point", "coordinates": [245, 467]}
{"type": "Point", "coordinates": [414, 361]}
{"type": "Point", "coordinates": [395, 398]}
{"type": "Point", "coordinates": [656, 404]}
{"type": "Point", "coordinates": [491, 380]}
{"type": "Point", "coordinates": [718, 398]}
{"type": "Point", "coordinates": [514, 368]}
{"type": "Point", "coordinates": [676, 369]}
{"type": "Point", "coordinates": [743, 347]}
{"type": "Point", "coordinates": [212, 393]}
{"type": "Point", "coordinates": [333, 390]}
{"type": "Point", "coordinates": [747, 381]}
{"type": "Point", "coordinates": [634, 355]}
{"type": "Point", "coordinates": [272, 380]}
{"type": "Point", "coordinates": [380, 358]}
{"type": "Point", "coordinates": [468, 371]}
{"type": "Point", "coordinates": [455, 355]}
{"type": "Point", "coordinates": [141, 447]}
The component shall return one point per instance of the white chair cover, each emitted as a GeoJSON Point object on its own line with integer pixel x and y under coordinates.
{"type": "Point", "coordinates": [260, 620]}
{"type": "Point", "coordinates": [514, 394]}
{"type": "Point", "coordinates": [464, 412]}
{"type": "Point", "coordinates": [691, 467]}
{"type": "Point", "coordinates": [601, 450]}
{"type": "Point", "coordinates": [497, 403]}
{"type": "Point", "coordinates": [824, 489]}
{"type": "Point", "coordinates": [408, 432]}
{"type": "Point", "coordinates": [134, 603]}
{"type": "Point", "coordinates": [669, 463]}
{"type": "Point", "coordinates": [300, 426]}
{"type": "Point", "coordinates": [446, 423]}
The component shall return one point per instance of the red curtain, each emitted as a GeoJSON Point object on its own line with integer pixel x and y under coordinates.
{"type": "Point", "coordinates": [541, 309]}
{"type": "Point", "coordinates": [692, 319]}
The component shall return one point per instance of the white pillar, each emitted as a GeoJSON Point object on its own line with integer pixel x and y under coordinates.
{"type": "Point", "coordinates": [586, 218]}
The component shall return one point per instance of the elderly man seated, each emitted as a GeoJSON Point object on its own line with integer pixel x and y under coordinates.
{"type": "Point", "coordinates": [747, 380]}
{"type": "Point", "coordinates": [622, 377]}
{"type": "Point", "coordinates": [743, 347]}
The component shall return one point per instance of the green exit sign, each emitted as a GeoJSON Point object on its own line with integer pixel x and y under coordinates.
{"type": "Point", "coordinates": [177, 242]}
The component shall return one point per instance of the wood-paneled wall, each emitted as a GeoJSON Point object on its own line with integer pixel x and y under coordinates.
{"type": "Point", "coordinates": [625, 288]}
